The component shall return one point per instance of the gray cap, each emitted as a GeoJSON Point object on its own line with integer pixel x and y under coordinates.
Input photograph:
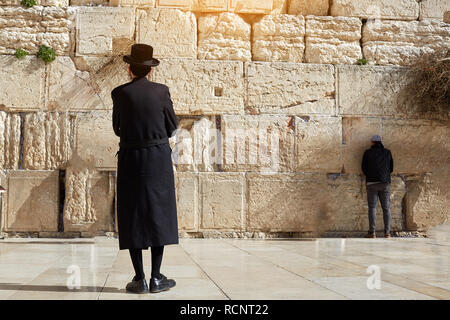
{"type": "Point", "coordinates": [376, 138]}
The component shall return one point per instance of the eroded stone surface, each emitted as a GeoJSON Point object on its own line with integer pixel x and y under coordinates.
{"type": "Point", "coordinates": [400, 42]}
{"type": "Point", "coordinates": [51, 26]}
{"type": "Point", "coordinates": [9, 140]}
{"type": "Point", "coordinates": [171, 32]}
{"type": "Point", "coordinates": [96, 143]}
{"type": "Point", "coordinates": [224, 36]}
{"type": "Point", "coordinates": [434, 9]}
{"type": "Point", "coordinates": [203, 87]}
{"type": "Point", "coordinates": [47, 140]}
{"type": "Point", "coordinates": [385, 9]}
{"type": "Point", "coordinates": [114, 35]}
{"type": "Point", "coordinates": [31, 202]}
{"type": "Point", "coordinates": [53, 3]}
{"type": "Point", "coordinates": [250, 6]}
{"type": "Point", "coordinates": [186, 184]}
{"type": "Point", "coordinates": [22, 83]}
{"type": "Point", "coordinates": [222, 200]}
{"type": "Point", "coordinates": [279, 38]}
{"type": "Point", "coordinates": [258, 143]}
{"type": "Point", "coordinates": [333, 40]}
{"type": "Point", "coordinates": [88, 203]}
{"type": "Point", "coordinates": [318, 144]}
{"type": "Point", "coordinates": [309, 7]}
{"type": "Point", "coordinates": [132, 3]}
{"type": "Point", "coordinates": [291, 88]}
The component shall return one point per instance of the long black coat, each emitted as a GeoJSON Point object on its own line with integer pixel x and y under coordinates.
{"type": "Point", "coordinates": [146, 202]}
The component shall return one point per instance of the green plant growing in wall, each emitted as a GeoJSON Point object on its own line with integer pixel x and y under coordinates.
{"type": "Point", "coordinates": [28, 3]}
{"type": "Point", "coordinates": [47, 54]}
{"type": "Point", "coordinates": [362, 62]}
{"type": "Point", "coordinates": [21, 53]}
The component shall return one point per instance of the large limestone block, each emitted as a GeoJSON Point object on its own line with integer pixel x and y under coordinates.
{"type": "Point", "coordinates": [203, 87]}
{"type": "Point", "coordinates": [384, 9]}
{"type": "Point", "coordinates": [181, 4]}
{"type": "Point", "coordinates": [400, 42]}
{"type": "Point", "coordinates": [433, 9]}
{"type": "Point", "coordinates": [428, 199]}
{"type": "Point", "coordinates": [251, 6]}
{"type": "Point", "coordinates": [95, 142]}
{"type": "Point", "coordinates": [47, 142]}
{"type": "Point", "coordinates": [132, 3]}
{"type": "Point", "coordinates": [31, 202]}
{"type": "Point", "coordinates": [318, 144]}
{"type": "Point", "coordinates": [88, 199]}
{"type": "Point", "coordinates": [171, 32]}
{"type": "Point", "coordinates": [75, 84]}
{"type": "Point", "coordinates": [95, 2]}
{"type": "Point", "coordinates": [333, 40]}
{"type": "Point", "coordinates": [309, 7]}
{"type": "Point", "coordinates": [258, 143]}
{"type": "Point", "coordinates": [9, 140]}
{"type": "Point", "coordinates": [222, 201]}
{"type": "Point", "coordinates": [209, 5]}
{"type": "Point", "coordinates": [224, 36]}
{"type": "Point", "coordinates": [22, 83]}
{"type": "Point", "coordinates": [52, 3]}
{"type": "Point", "coordinates": [113, 36]}
{"type": "Point", "coordinates": [28, 28]}
{"type": "Point", "coordinates": [291, 88]}
{"type": "Point", "coordinates": [197, 144]}
{"type": "Point", "coordinates": [279, 38]}
{"type": "Point", "coordinates": [287, 202]}
{"type": "Point", "coordinates": [186, 184]}
{"type": "Point", "coordinates": [375, 91]}
{"type": "Point", "coordinates": [447, 16]}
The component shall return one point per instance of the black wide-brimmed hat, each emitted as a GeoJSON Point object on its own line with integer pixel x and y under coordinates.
{"type": "Point", "coordinates": [141, 54]}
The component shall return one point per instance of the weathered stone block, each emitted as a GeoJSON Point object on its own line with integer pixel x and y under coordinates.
{"type": "Point", "coordinates": [224, 36]}
{"type": "Point", "coordinates": [318, 144]}
{"type": "Point", "coordinates": [400, 42]}
{"type": "Point", "coordinates": [92, 2]}
{"type": "Point", "coordinates": [51, 26]}
{"type": "Point", "coordinates": [279, 38]}
{"type": "Point", "coordinates": [88, 203]}
{"type": "Point", "coordinates": [433, 9]}
{"type": "Point", "coordinates": [222, 200]}
{"type": "Point", "coordinates": [132, 3]}
{"type": "Point", "coordinates": [203, 87]}
{"type": "Point", "coordinates": [22, 83]}
{"type": "Point", "coordinates": [9, 140]}
{"type": "Point", "coordinates": [84, 83]}
{"type": "Point", "coordinates": [186, 184]}
{"type": "Point", "coordinates": [375, 91]}
{"type": "Point", "coordinates": [171, 32]}
{"type": "Point", "coordinates": [291, 88]}
{"type": "Point", "coordinates": [31, 202]}
{"type": "Point", "coordinates": [96, 143]}
{"type": "Point", "coordinates": [333, 40]}
{"type": "Point", "coordinates": [385, 9]}
{"type": "Point", "coordinates": [309, 7]}
{"type": "Point", "coordinates": [184, 4]}
{"type": "Point", "coordinates": [209, 5]}
{"type": "Point", "coordinates": [44, 3]}
{"type": "Point", "coordinates": [197, 144]}
{"type": "Point", "coordinates": [258, 143]}
{"type": "Point", "coordinates": [427, 199]}
{"type": "Point", "coordinates": [47, 142]}
{"type": "Point", "coordinates": [447, 16]}
{"type": "Point", "coordinates": [113, 36]}
{"type": "Point", "coordinates": [251, 6]}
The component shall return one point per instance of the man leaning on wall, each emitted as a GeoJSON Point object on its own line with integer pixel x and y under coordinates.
{"type": "Point", "coordinates": [377, 165]}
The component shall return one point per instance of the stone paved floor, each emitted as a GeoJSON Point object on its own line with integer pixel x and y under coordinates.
{"type": "Point", "coordinates": [231, 269]}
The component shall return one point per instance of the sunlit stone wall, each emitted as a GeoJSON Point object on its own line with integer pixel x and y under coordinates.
{"type": "Point", "coordinates": [274, 112]}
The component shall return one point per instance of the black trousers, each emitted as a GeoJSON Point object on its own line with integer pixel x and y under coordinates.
{"type": "Point", "coordinates": [136, 259]}
{"type": "Point", "coordinates": [374, 192]}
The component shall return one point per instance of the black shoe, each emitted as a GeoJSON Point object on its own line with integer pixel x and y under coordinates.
{"type": "Point", "coordinates": [161, 283]}
{"type": "Point", "coordinates": [137, 286]}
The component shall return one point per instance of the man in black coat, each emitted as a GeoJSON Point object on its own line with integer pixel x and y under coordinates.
{"type": "Point", "coordinates": [144, 119]}
{"type": "Point", "coordinates": [377, 165]}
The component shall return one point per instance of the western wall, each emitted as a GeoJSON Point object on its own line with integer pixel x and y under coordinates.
{"type": "Point", "coordinates": [286, 68]}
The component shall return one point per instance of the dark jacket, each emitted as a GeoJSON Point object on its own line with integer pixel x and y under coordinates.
{"type": "Point", "coordinates": [146, 202]}
{"type": "Point", "coordinates": [377, 164]}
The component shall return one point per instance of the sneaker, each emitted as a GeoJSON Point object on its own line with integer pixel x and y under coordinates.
{"type": "Point", "coordinates": [137, 286]}
{"type": "Point", "coordinates": [161, 283]}
{"type": "Point", "coordinates": [370, 235]}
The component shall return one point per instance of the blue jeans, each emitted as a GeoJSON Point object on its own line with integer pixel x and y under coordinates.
{"type": "Point", "coordinates": [381, 191]}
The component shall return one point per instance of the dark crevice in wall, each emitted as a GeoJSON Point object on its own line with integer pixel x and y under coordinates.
{"type": "Point", "coordinates": [62, 197]}
{"type": "Point", "coordinates": [22, 129]}
{"type": "Point", "coordinates": [219, 143]}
